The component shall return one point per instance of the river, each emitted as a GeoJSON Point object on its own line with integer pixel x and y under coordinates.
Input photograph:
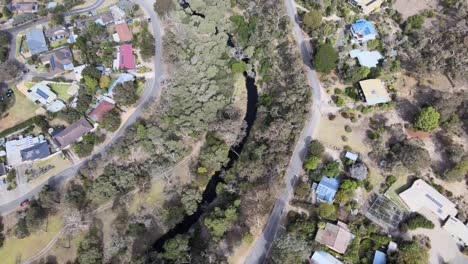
{"type": "Point", "coordinates": [209, 195]}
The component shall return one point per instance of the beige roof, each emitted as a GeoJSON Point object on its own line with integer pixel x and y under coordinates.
{"type": "Point", "coordinates": [336, 237]}
{"type": "Point", "coordinates": [367, 6]}
{"type": "Point", "coordinates": [374, 91]}
{"type": "Point", "coordinates": [457, 229]}
{"type": "Point", "coordinates": [422, 195]}
{"type": "Point", "coordinates": [73, 133]}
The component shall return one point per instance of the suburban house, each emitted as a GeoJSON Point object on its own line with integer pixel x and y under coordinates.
{"type": "Point", "coordinates": [42, 95]}
{"type": "Point", "coordinates": [24, 7]}
{"type": "Point", "coordinates": [457, 229]}
{"type": "Point", "coordinates": [26, 149]}
{"type": "Point", "coordinates": [422, 195]}
{"type": "Point", "coordinates": [123, 33]}
{"type": "Point", "coordinates": [118, 14]}
{"type": "Point", "coordinates": [327, 189]}
{"type": "Point", "coordinates": [368, 59]}
{"type": "Point", "coordinates": [322, 257]}
{"type": "Point", "coordinates": [60, 60]}
{"type": "Point", "coordinates": [366, 6]}
{"type": "Point", "coordinates": [126, 57]}
{"type": "Point", "coordinates": [73, 133]}
{"type": "Point", "coordinates": [36, 41]}
{"type": "Point", "coordinates": [379, 258]}
{"type": "Point", "coordinates": [336, 237]}
{"type": "Point", "coordinates": [123, 78]}
{"type": "Point", "coordinates": [104, 19]}
{"type": "Point", "coordinates": [363, 31]}
{"type": "Point", "coordinates": [102, 107]}
{"type": "Point", "coordinates": [56, 33]}
{"type": "Point", "coordinates": [373, 92]}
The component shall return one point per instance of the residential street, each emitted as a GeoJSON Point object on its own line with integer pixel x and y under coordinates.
{"type": "Point", "coordinates": [262, 244]}
{"type": "Point", "coordinates": [10, 200]}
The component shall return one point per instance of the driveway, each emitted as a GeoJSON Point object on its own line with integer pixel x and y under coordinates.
{"type": "Point", "coordinates": [444, 248]}
{"type": "Point", "coordinates": [262, 244]}
{"type": "Point", "coordinates": [9, 201]}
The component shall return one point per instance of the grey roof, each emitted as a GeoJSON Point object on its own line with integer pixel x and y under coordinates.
{"type": "Point", "coordinates": [38, 151]}
{"type": "Point", "coordinates": [59, 59]}
{"type": "Point", "coordinates": [56, 31]}
{"type": "Point", "coordinates": [2, 169]}
{"type": "Point", "coordinates": [36, 41]}
{"type": "Point", "coordinates": [358, 171]}
{"type": "Point", "coordinates": [73, 132]}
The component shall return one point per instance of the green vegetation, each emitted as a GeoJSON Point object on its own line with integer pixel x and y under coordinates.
{"type": "Point", "coordinates": [326, 211]}
{"type": "Point", "coordinates": [418, 221]}
{"type": "Point", "coordinates": [313, 19]}
{"type": "Point", "coordinates": [458, 172]}
{"type": "Point", "coordinates": [427, 120]}
{"type": "Point", "coordinates": [111, 120]}
{"type": "Point", "coordinates": [325, 59]}
{"type": "Point", "coordinates": [90, 250]}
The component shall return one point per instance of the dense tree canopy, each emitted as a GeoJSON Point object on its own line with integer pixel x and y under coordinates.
{"type": "Point", "coordinates": [325, 59]}
{"type": "Point", "coordinates": [427, 120]}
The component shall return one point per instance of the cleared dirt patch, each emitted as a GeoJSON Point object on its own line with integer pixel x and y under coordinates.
{"type": "Point", "coordinates": [408, 8]}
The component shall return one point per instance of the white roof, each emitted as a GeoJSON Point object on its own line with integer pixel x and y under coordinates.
{"type": "Point", "coordinates": [457, 229]}
{"type": "Point", "coordinates": [77, 70]}
{"type": "Point", "coordinates": [322, 257]}
{"type": "Point", "coordinates": [351, 156]}
{"type": "Point", "coordinates": [116, 38]}
{"type": "Point", "coordinates": [118, 14]}
{"type": "Point", "coordinates": [41, 93]}
{"type": "Point", "coordinates": [366, 58]}
{"type": "Point", "coordinates": [56, 106]}
{"type": "Point", "coordinates": [422, 195]}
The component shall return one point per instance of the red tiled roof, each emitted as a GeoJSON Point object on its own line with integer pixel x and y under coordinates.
{"type": "Point", "coordinates": [124, 32]}
{"type": "Point", "coordinates": [126, 60]}
{"type": "Point", "coordinates": [98, 112]}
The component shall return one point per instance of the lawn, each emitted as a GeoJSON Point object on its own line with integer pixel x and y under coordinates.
{"type": "Point", "coordinates": [61, 89]}
{"type": "Point", "coordinates": [57, 44]}
{"type": "Point", "coordinates": [58, 163]}
{"type": "Point", "coordinates": [22, 110]}
{"type": "Point", "coordinates": [140, 88]}
{"type": "Point", "coordinates": [395, 189]}
{"type": "Point", "coordinates": [150, 198]}
{"type": "Point", "coordinates": [29, 84]}
{"type": "Point", "coordinates": [15, 249]}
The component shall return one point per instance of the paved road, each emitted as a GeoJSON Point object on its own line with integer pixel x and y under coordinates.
{"type": "Point", "coordinates": [9, 201]}
{"type": "Point", "coordinates": [262, 244]}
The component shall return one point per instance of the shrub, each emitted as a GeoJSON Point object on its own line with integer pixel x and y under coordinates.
{"type": "Point", "coordinates": [372, 135]}
{"type": "Point", "coordinates": [348, 129]}
{"type": "Point", "coordinates": [316, 148]}
{"type": "Point", "coordinates": [418, 221]}
{"type": "Point", "coordinates": [325, 59]}
{"type": "Point", "coordinates": [313, 19]}
{"type": "Point", "coordinates": [338, 91]}
{"type": "Point", "coordinates": [427, 120]}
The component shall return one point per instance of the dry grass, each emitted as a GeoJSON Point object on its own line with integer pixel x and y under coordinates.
{"type": "Point", "coordinates": [57, 161]}
{"type": "Point", "coordinates": [16, 249]}
{"type": "Point", "coordinates": [409, 8]}
{"type": "Point", "coordinates": [66, 248]}
{"type": "Point", "coordinates": [153, 196]}
{"type": "Point", "coordinates": [22, 110]}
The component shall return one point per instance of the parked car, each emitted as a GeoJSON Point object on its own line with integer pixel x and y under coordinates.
{"type": "Point", "coordinates": [149, 19]}
{"type": "Point", "coordinates": [24, 203]}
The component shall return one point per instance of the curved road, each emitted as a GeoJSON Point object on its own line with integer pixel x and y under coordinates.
{"type": "Point", "coordinates": [11, 200]}
{"type": "Point", "coordinates": [262, 244]}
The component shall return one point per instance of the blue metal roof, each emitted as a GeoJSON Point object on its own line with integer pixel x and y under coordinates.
{"type": "Point", "coordinates": [379, 258]}
{"type": "Point", "coordinates": [327, 189]}
{"type": "Point", "coordinates": [363, 27]}
{"type": "Point", "coordinates": [36, 41]}
{"type": "Point", "coordinates": [38, 151]}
